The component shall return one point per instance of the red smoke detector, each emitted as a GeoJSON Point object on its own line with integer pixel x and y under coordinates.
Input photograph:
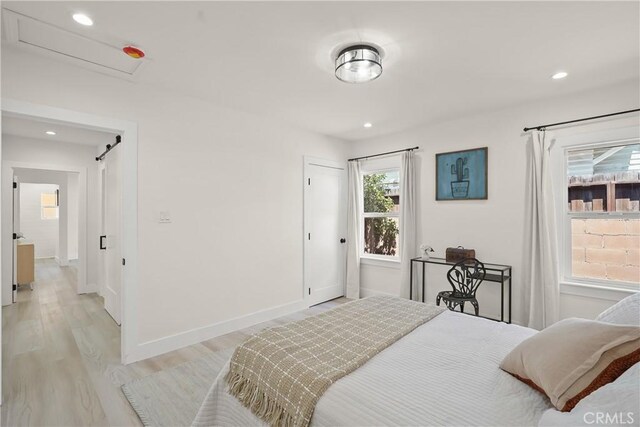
{"type": "Point", "coordinates": [133, 52]}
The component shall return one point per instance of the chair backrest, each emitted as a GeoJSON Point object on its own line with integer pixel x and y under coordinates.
{"type": "Point", "coordinates": [466, 276]}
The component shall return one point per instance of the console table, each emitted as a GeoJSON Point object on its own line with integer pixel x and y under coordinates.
{"type": "Point", "coordinates": [495, 273]}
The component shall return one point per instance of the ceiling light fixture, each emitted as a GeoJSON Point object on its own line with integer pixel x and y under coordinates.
{"type": "Point", "coordinates": [358, 64]}
{"type": "Point", "coordinates": [50, 132]}
{"type": "Point", "coordinates": [559, 75]}
{"type": "Point", "coordinates": [83, 19]}
{"type": "Point", "coordinates": [367, 125]}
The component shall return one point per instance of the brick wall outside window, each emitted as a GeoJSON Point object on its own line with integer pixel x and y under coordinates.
{"type": "Point", "coordinates": [606, 249]}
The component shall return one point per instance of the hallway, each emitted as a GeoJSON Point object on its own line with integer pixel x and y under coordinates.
{"type": "Point", "coordinates": [61, 356]}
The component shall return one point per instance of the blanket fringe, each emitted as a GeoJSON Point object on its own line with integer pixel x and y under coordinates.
{"type": "Point", "coordinates": [257, 401]}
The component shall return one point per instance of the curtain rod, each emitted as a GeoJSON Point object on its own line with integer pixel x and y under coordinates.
{"type": "Point", "coordinates": [542, 127]}
{"type": "Point", "coordinates": [383, 154]}
{"type": "Point", "coordinates": [109, 148]}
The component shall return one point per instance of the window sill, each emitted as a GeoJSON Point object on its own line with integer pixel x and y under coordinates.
{"type": "Point", "coordinates": [379, 262]}
{"type": "Point", "coordinates": [609, 293]}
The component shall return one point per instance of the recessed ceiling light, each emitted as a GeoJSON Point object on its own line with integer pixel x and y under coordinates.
{"type": "Point", "coordinates": [367, 125]}
{"type": "Point", "coordinates": [82, 19]}
{"type": "Point", "coordinates": [50, 132]}
{"type": "Point", "coordinates": [559, 75]}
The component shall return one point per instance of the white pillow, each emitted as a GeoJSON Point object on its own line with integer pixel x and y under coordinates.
{"type": "Point", "coordinates": [615, 404]}
{"type": "Point", "coordinates": [625, 312]}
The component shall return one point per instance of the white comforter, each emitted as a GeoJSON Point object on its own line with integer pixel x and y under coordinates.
{"type": "Point", "coordinates": [443, 373]}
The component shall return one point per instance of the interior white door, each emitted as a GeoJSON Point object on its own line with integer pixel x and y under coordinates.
{"type": "Point", "coordinates": [102, 254]}
{"type": "Point", "coordinates": [112, 233]}
{"type": "Point", "coordinates": [15, 221]}
{"type": "Point", "coordinates": [325, 231]}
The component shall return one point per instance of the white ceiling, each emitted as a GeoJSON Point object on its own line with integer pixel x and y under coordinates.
{"type": "Point", "coordinates": [30, 128]}
{"type": "Point", "coordinates": [442, 59]}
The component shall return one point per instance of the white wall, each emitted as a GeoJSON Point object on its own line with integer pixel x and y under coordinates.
{"type": "Point", "coordinates": [43, 233]}
{"type": "Point", "coordinates": [231, 181]}
{"type": "Point", "coordinates": [493, 227]}
{"type": "Point", "coordinates": [64, 155]}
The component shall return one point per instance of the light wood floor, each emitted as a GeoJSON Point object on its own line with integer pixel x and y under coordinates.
{"type": "Point", "coordinates": [61, 355]}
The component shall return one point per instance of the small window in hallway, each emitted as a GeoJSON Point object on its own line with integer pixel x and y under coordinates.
{"type": "Point", "coordinates": [49, 205]}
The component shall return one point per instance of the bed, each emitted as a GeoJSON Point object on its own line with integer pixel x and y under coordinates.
{"type": "Point", "coordinates": [445, 372]}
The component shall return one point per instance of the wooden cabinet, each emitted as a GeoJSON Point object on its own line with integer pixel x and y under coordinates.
{"type": "Point", "coordinates": [26, 259]}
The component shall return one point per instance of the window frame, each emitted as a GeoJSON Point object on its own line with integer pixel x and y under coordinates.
{"type": "Point", "coordinates": [564, 215]}
{"type": "Point", "coordinates": [363, 215]}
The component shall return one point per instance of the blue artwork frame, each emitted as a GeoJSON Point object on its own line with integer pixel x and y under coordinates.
{"type": "Point", "coordinates": [462, 175]}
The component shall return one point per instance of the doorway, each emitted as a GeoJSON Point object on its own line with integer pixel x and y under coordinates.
{"type": "Point", "coordinates": [325, 221]}
{"type": "Point", "coordinates": [42, 206]}
{"type": "Point", "coordinates": [48, 196]}
{"type": "Point", "coordinates": [45, 224]}
{"type": "Point", "coordinates": [126, 239]}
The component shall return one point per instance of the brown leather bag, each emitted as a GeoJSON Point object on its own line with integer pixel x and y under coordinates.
{"type": "Point", "coordinates": [458, 254]}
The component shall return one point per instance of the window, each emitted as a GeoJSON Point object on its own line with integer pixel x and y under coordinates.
{"type": "Point", "coordinates": [381, 210]}
{"type": "Point", "coordinates": [603, 209]}
{"type": "Point", "coordinates": [49, 205]}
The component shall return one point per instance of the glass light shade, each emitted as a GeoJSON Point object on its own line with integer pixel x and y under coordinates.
{"type": "Point", "coordinates": [358, 64]}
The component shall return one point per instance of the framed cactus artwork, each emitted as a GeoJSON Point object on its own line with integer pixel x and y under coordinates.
{"type": "Point", "coordinates": [462, 175]}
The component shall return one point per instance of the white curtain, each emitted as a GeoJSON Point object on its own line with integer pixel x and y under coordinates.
{"type": "Point", "coordinates": [541, 290]}
{"type": "Point", "coordinates": [354, 229]}
{"type": "Point", "coordinates": [407, 219]}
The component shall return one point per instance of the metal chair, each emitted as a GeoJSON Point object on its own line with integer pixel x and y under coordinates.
{"type": "Point", "coordinates": [465, 277]}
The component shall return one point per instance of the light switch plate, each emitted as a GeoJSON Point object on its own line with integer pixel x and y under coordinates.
{"type": "Point", "coordinates": [165, 217]}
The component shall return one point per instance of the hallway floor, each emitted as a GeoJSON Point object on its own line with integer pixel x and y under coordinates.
{"type": "Point", "coordinates": [61, 356]}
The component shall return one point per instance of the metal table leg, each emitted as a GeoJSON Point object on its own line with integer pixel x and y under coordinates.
{"type": "Point", "coordinates": [510, 282]}
{"type": "Point", "coordinates": [502, 295]}
{"type": "Point", "coordinates": [423, 279]}
{"type": "Point", "coordinates": [411, 280]}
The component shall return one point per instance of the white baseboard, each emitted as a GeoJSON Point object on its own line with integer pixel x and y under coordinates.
{"type": "Point", "coordinates": [62, 263]}
{"type": "Point", "coordinates": [91, 288]}
{"type": "Point", "coordinates": [365, 292]}
{"type": "Point", "coordinates": [160, 346]}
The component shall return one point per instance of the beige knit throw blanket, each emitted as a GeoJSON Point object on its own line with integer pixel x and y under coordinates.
{"type": "Point", "coordinates": [281, 373]}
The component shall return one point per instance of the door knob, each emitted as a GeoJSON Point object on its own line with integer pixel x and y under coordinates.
{"type": "Point", "coordinates": [343, 240]}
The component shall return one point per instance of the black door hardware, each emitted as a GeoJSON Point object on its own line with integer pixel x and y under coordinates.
{"type": "Point", "coordinates": [103, 246]}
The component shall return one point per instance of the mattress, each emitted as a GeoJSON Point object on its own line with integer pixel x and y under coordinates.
{"type": "Point", "coordinates": [446, 372]}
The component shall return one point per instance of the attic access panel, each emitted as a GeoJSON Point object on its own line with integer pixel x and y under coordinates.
{"type": "Point", "coordinates": [59, 43]}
